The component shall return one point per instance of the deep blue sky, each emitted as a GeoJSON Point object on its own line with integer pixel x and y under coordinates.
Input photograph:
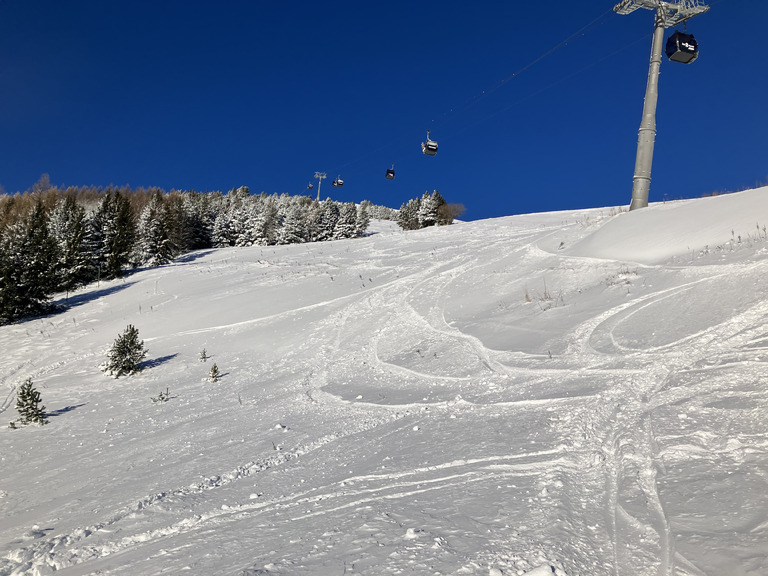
{"type": "Point", "coordinates": [213, 95]}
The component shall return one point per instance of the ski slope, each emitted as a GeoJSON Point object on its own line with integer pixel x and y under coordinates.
{"type": "Point", "coordinates": [574, 393]}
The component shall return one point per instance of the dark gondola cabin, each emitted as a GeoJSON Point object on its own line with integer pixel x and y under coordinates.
{"type": "Point", "coordinates": [391, 173]}
{"type": "Point", "coordinates": [682, 48]}
{"type": "Point", "coordinates": [338, 183]}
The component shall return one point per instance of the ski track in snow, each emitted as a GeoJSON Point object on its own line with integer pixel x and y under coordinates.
{"type": "Point", "coordinates": [609, 456]}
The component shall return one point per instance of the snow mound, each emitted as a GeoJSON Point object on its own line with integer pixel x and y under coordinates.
{"type": "Point", "coordinates": [543, 570]}
{"type": "Point", "coordinates": [661, 231]}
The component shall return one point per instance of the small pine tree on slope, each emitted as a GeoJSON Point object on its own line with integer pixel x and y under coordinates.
{"type": "Point", "coordinates": [126, 354]}
{"type": "Point", "coordinates": [28, 405]}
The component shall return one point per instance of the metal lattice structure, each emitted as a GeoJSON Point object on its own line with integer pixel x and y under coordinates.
{"type": "Point", "coordinates": [667, 14]}
{"type": "Point", "coordinates": [671, 13]}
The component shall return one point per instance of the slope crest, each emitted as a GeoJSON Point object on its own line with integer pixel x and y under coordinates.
{"type": "Point", "coordinates": [662, 231]}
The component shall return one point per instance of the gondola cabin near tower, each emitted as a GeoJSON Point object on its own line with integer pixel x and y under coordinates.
{"type": "Point", "coordinates": [682, 48]}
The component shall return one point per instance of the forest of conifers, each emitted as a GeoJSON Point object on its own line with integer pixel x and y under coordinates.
{"type": "Point", "coordinates": [56, 240]}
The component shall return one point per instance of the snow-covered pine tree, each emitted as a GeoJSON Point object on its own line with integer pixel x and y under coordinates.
{"type": "Point", "coordinates": [346, 225]}
{"type": "Point", "coordinates": [241, 222]}
{"type": "Point", "coordinates": [67, 226]}
{"type": "Point", "coordinates": [28, 267]}
{"type": "Point", "coordinates": [379, 212]}
{"type": "Point", "coordinates": [126, 354]}
{"type": "Point", "coordinates": [153, 246]}
{"type": "Point", "coordinates": [270, 218]}
{"type": "Point", "coordinates": [428, 210]}
{"type": "Point", "coordinates": [28, 405]}
{"type": "Point", "coordinates": [293, 229]}
{"type": "Point", "coordinates": [93, 246]}
{"type": "Point", "coordinates": [214, 374]}
{"type": "Point", "coordinates": [114, 219]}
{"type": "Point", "coordinates": [408, 216]}
{"type": "Point", "coordinates": [363, 220]}
{"type": "Point", "coordinates": [221, 237]}
{"type": "Point", "coordinates": [328, 217]}
{"type": "Point", "coordinates": [259, 224]}
{"type": "Point", "coordinates": [313, 218]}
{"type": "Point", "coordinates": [443, 211]}
{"type": "Point", "coordinates": [198, 220]}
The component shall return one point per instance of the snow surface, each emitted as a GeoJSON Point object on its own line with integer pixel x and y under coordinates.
{"type": "Point", "coordinates": [572, 393]}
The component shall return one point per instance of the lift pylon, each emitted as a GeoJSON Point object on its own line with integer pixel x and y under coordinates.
{"type": "Point", "coordinates": [320, 177]}
{"type": "Point", "coordinates": [667, 14]}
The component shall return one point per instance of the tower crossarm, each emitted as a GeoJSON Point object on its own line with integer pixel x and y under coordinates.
{"type": "Point", "coordinates": [671, 13]}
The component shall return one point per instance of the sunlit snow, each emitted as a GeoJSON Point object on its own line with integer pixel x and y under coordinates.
{"type": "Point", "coordinates": [573, 393]}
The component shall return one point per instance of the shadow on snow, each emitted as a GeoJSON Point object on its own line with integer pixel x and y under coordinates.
{"type": "Point", "coordinates": [64, 410]}
{"type": "Point", "coordinates": [157, 361]}
{"type": "Point", "coordinates": [66, 303]}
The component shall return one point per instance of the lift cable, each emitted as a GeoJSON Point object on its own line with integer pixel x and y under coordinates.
{"type": "Point", "coordinates": [562, 79]}
{"type": "Point", "coordinates": [471, 102]}
{"type": "Point", "coordinates": [579, 33]}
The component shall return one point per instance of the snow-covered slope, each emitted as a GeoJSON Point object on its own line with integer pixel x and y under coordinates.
{"type": "Point", "coordinates": [577, 393]}
{"type": "Point", "coordinates": [681, 228]}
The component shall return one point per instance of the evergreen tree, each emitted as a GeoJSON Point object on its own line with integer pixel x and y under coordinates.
{"type": "Point", "coordinates": [428, 210]}
{"type": "Point", "coordinates": [272, 220]}
{"type": "Point", "coordinates": [114, 233]}
{"type": "Point", "coordinates": [120, 241]}
{"type": "Point", "coordinates": [313, 218]}
{"type": "Point", "coordinates": [153, 246]}
{"type": "Point", "coordinates": [363, 220]}
{"type": "Point", "coordinates": [67, 226]}
{"type": "Point", "coordinates": [198, 221]}
{"type": "Point", "coordinates": [220, 237]}
{"type": "Point", "coordinates": [241, 217]}
{"type": "Point", "coordinates": [443, 211]}
{"type": "Point", "coordinates": [329, 215]}
{"type": "Point", "coordinates": [408, 216]}
{"type": "Point", "coordinates": [174, 219]}
{"type": "Point", "coordinates": [379, 212]}
{"type": "Point", "coordinates": [214, 374]}
{"type": "Point", "coordinates": [346, 225]}
{"type": "Point", "coordinates": [126, 354]}
{"type": "Point", "coordinates": [27, 267]}
{"type": "Point", "coordinates": [93, 247]}
{"type": "Point", "coordinates": [28, 405]}
{"type": "Point", "coordinates": [293, 229]}
{"type": "Point", "coordinates": [259, 224]}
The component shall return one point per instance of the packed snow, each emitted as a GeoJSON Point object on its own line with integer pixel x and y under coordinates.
{"type": "Point", "coordinates": [573, 393]}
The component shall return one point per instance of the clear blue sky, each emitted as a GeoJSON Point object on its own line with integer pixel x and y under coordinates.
{"type": "Point", "coordinates": [217, 94]}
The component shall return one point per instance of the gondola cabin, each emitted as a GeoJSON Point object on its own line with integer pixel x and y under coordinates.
{"type": "Point", "coordinates": [682, 48]}
{"type": "Point", "coordinates": [338, 183]}
{"type": "Point", "coordinates": [429, 147]}
{"type": "Point", "coordinates": [391, 173]}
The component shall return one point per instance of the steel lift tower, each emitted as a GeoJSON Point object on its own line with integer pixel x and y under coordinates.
{"type": "Point", "coordinates": [320, 177]}
{"type": "Point", "coordinates": [667, 14]}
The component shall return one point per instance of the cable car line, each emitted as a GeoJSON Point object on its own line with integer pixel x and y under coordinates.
{"type": "Point", "coordinates": [579, 33]}
{"type": "Point", "coordinates": [429, 147]}
{"type": "Point", "coordinates": [551, 85]}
